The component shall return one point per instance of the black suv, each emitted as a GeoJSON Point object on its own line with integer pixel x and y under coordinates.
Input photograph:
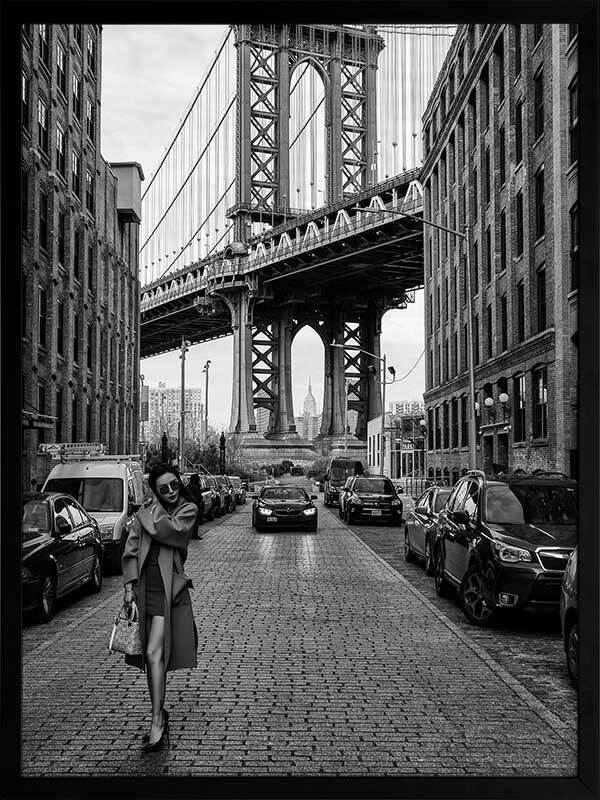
{"type": "Point", "coordinates": [371, 498]}
{"type": "Point", "coordinates": [504, 542]}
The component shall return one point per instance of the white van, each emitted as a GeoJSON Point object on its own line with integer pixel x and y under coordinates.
{"type": "Point", "coordinates": [110, 488]}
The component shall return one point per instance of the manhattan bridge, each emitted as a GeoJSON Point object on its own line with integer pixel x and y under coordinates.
{"type": "Point", "coordinates": [270, 211]}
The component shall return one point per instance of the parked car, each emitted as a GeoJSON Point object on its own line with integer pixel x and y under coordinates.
{"type": "Point", "coordinates": [228, 492]}
{"type": "Point", "coordinates": [569, 618]}
{"type": "Point", "coordinates": [407, 501]}
{"type": "Point", "coordinates": [284, 507]}
{"type": "Point", "coordinates": [205, 492]}
{"type": "Point", "coordinates": [239, 489]}
{"type": "Point", "coordinates": [505, 543]}
{"type": "Point", "coordinates": [421, 525]}
{"type": "Point", "coordinates": [372, 498]}
{"type": "Point", "coordinates": [61, 550]}
{"type": "Point", "coordinates": [338, 469]}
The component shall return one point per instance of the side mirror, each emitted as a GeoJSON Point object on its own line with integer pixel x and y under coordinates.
{"type": "Point", "coordinates": [63, 527]}
{"type": "Point", "coordinates": [421, 510]}
{"type": "Point", "coordinates": [399, 490]}
{"type": "Point", "coordinates": [313, 497]}
{"type": "Point", "coordinates": [459, 517]}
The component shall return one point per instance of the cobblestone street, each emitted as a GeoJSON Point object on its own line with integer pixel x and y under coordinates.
{"type": "Point", "coordinates": [315, 656]}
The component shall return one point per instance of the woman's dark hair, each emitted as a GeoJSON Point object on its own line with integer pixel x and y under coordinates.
{"type": "Point", "coordinates": [161, 469]}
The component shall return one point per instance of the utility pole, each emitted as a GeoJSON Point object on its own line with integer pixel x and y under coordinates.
{"type": "Point", "coordinates": [205, 370]}
{"type": "Point", "coordinates": [382, 448]}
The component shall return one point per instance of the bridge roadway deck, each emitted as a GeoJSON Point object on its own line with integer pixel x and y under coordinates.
{"type": "Point", "coordinates": [315, 656]}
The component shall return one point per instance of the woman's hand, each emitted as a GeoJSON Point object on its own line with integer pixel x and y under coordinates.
{"type": "Point", "coordinates": [129, 601]}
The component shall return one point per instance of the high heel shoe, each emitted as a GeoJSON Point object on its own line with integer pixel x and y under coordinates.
{"type": "Point", "coordinates": [151, 748]}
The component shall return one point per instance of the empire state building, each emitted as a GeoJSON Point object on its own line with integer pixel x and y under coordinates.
{"type": "Point", "coordinates": [309, 423]}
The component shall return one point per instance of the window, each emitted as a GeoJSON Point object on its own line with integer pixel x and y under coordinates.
{"type": "Point", "coordinates": [25, 100]}
{"type": "Point", "coordinates": [538, 104]}
{"type": "Point", "coordinates": [78, 36]}
{"type": "Point", "coordinates": [502, 155]}
{"type": "Point", "coordinates": [89, 118]}
{"type": "Point", "coordinates": [540, 403]}
{"type": "Point", "coordinates": [541, 299]}
{"type": "Point", "coordinates": [60, 149]}
{"type": "Point", "coordinates": [41, 408]}
{"type": "Point", "coordinates": [446, 428]}
{"type": "Point", "coordinates": [476, 338]}
{"type": "Point", "coordinates": [540, 210]}
{"type": "Point", "coordinates": [59, 414]}
{"type": "Point", "coordinates": [520, 312]}
{"type": "Point", "coordinates": [475, 269]}
{"type": "Point", "coordinates": [573, 122]}
{"type": "Point", "coordinates": [488, 176]}
{"type": "Point", "coordinates": [90, 352]}
{"type": "Point", "coordinates": [455, 292]}
{"type": "Point", "coordinates": [519, 225]}
{"type": "Point", "coordinates": [464, 423]}
{"type": "Point", "coordinates": [76, 96]}
{"type": "Point", "coordinates": [475, 210]}
{"type": "Point", "coordinates": [503, 324]}
{"type": "Point", "coordinates": [74, 411]}
{"type": "Point", "coordinates": [76, 249]}
{"type": "Point", "coordinates": [519, 132]}
{"type": "Point", "coordinates": [461, 141]}
{"type": "Point", "coordinates": [61, 235]}
{"type": "Point", "coordinates": [88, 422]}
{"type": "Point", "coordinates": [473, 121]}
{"type": "Point", "coordinates": [538, 31]}
{"type": "Point", "coordinates": [488, 253]}
{"type": "Point", "coordinates": [91, 267]}
{"type": "Point", "coordinates": [76, 173]}
{"type": "Point", "coordinates": [574, 220]}
{"type": "Point", "coordinates": [75, 337]}
{"type": "Point", "coordinates": [430, 314]}
{"type": "Point", "coordinates": [438, 432]}
{"type": "Point", "coordinates": [43, 45]}
{"type": "Point", "coordinates": [43, 219]}
{"type": "Point", "coordinates": [490, 332]}
{"type": "Point", "coordinates": [42, 126]}
{"type": "Point", "coordinates": [446, 359]}
{"type": "Point", "coordinates": [499, 52]}
{"type": "Point", "coordinates": [60, 327]}
{"type": "Point", "coordinates": [472, 500]}
{"type": "Point", "coordinates": [465, 354]}
{"type": "Point", "coordinates": [518, 50]}
{"type": "Point", "coordinates": [42, 318]}
{"type": "Point", "coordinates": [446, 298]}
{"type": "Point", "coordinates": [91, 52]}
{"type": "Point", "coordinates": [438, 308]}
{"type": "Point", "coordinates": [502, 240]}
{"type": "Point", "coordinates": [455, 356]}
{"type": "Point", "coordinates": [61, 73]}
{"type": "Point", "coordinates": [24, 199]}
{"type": "Point", "coordinates": [89, 191]}
{"type": "Point", "coordinates": [485, 97]}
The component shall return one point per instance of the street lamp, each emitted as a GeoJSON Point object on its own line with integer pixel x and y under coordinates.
{"type": "Point", "coordinates": [346, 386]}
{"type": "Point", "coordinates": [205, 370]}
{"type": "Point", "coordinates": [185, 346]}
{"type": "Point", "coordinates": [466, 238]}
{"type": "Point", "coordinates": [392, 372]}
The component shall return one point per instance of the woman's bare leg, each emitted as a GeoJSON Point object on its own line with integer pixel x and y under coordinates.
{"type": "Point", "coordinates": [148, 670]}
{"type": "Point", "coordinates": [157, 675]}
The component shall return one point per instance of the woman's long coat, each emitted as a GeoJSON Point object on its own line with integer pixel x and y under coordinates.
{"type": "Point", "coordinates": [173, 532]}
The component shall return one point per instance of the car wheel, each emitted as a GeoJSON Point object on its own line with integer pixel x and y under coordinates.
{"type": "Point", "coordinates": [471, 595]}
{"type": "Point", "coordinates": [442, 586]}
{"type": "Point", "coordinates": [429, 562]}
{"type": "Point", "coordinates": [408, 551]}
{"type": "Point", "coordinates": [572, 646]}
{"type": "Point", "coordinates": [95, 582]}
{"type": "Point", "coordinates": [47, 600]}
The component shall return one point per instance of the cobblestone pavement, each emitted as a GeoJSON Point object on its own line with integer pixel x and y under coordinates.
{"type": "Point", "coordinates": [315, 656]}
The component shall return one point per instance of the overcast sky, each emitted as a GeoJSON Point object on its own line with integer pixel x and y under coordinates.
{"type": "Point", "coordinates": [149, 75]}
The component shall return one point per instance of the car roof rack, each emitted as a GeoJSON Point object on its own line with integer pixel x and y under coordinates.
{"type": "Point", "coordinates": [544, 473]}
{"type": "Point", "coordinates": [478, 473]}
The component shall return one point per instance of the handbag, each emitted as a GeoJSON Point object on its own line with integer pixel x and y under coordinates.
{"type": "Point", "coordinates": [126, 636]}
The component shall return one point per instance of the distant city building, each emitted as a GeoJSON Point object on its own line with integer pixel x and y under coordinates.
{"type": "Point", "coordinates": [262, 416]}
{"type": "Point", "coordinates": [308, 424]}
{"type": "Point", "coordinates": [404, 445]}
{"type": "Point", "coordinates": [407, 407]}
{"type": "Point", "coordinates": [500, 139]}
{"type": "Point", "coordinates": [165, 413]}
{"type": "Point", "coordinates": [80, 220]}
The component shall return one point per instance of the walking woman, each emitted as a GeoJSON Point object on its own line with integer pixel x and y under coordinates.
{"type": "Point", "coordinates": [155, 551]}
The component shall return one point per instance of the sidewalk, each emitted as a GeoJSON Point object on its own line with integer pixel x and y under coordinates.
{"type": "Point", "coordinates": [315, 657]}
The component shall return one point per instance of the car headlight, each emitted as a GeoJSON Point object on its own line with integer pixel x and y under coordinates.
{"type": "Point", "coordinates": [310, 512]}
{"type": "Point", "coordinates": [356, 501]}
{"type": "Point", "coordinates": [106, 531]}
{"type": "Point", "coordinates": [396, 502]}
{"type": "Point", "coordinates": [266, 511]}
{"type": "Point", "coordinates": [25, 574]}
{"type": "Point", "coordinates": [511, 554]}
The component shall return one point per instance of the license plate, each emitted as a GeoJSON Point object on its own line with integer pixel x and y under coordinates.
{"type": "Point", "coordinates": [271, 519]}
{"type": "Point", "coordinates": [376, 512]}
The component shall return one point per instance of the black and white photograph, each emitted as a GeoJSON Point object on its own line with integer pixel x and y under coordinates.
{"type": "Point", "coordinates": [301, 387]}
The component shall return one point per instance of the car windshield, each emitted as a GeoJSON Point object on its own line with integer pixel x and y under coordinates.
{"type": "Point", "coordinates": [94, 494]}
{"type": "Point", "coordinates": [374, 486]}
{"type": "Point", "coordinates": [441, 499]}
{"type": "Point", "coordinates": [284, 493]}
{"type": "Point", "coordinates": [533, 504]}
{"type": "Point", "coordinates": [36, 519]}
{"type": "Point", "coordinates": [339, 472]}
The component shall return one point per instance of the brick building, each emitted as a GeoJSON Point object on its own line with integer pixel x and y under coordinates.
{"type": "Point", "coordinates": [80, 289]}
{"type": "Point", "coordinates": [500, 143]}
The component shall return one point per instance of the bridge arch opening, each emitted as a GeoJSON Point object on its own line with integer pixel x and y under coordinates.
{"type": "Point", "coordinates": [308, 143]}
{"type": "Point", "coordinates": [308, 368]}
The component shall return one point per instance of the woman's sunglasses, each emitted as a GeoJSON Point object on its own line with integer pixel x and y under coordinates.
{"type": "Point", "coordinates": [165, 488]}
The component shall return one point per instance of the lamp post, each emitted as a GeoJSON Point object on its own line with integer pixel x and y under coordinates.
{"type": "Point", "coordinates": [185, 346]}
{"type": "Point", "coordinates": [346, 385]}
{"type": "Point", "coordinates": [383, 385]}
{"type": "Point", "coordinates": [466, 238]}
{"type": "Point", "coordinates": [205, 370]}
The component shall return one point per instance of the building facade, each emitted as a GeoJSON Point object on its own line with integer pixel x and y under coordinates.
{"type": "Point", "coordinates": [308, 424]}
{"type": "Point", "coordinates": [80, 289]}
{"type": "Point", "coordinates": [164, 413]}
{"type": "Point", "coordinates": [404, 455]}
{"type": "Point", "coordinates": [501, 154]}
{"type": "Point", "coordinates": [407, 407]}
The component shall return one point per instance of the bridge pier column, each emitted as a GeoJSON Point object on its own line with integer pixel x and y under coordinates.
{"type": "Point", "coordinates": [282, 420]}
{"type": "Point", "coordinates": [372, 343]}
{"type": "Point", "coordinates": [332, 423]}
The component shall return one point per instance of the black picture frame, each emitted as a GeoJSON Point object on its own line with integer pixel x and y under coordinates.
{"type": "Point", "coordinates": [586, 14]}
